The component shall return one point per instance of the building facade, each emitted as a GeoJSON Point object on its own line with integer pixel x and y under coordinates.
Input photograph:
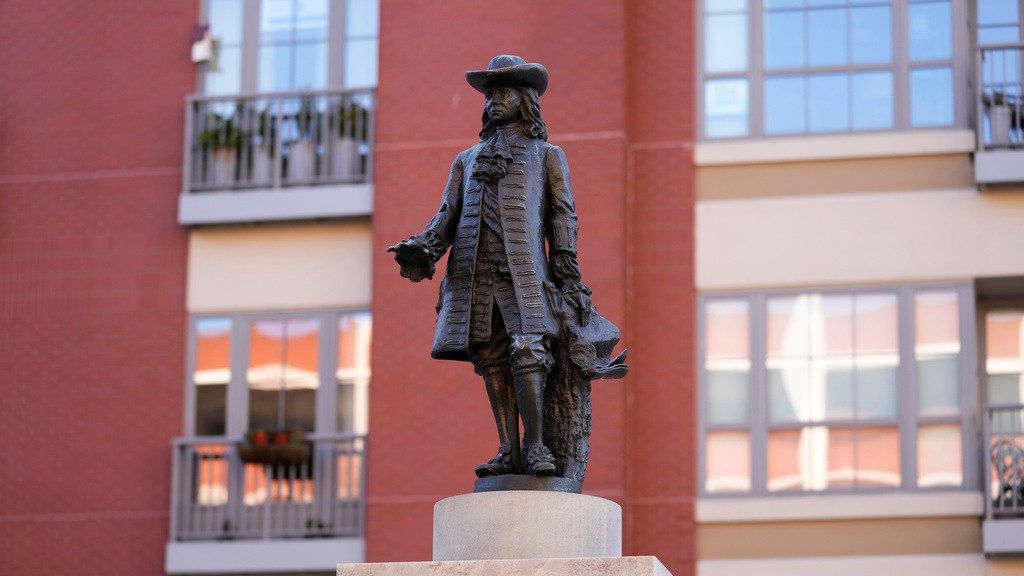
{"type": "Point", "coordinates": [804, 215]}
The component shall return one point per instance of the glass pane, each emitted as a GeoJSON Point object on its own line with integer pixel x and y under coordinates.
{"type": "Point", "coordinates": [998, 35]}
{"type": "Point", "coordinates": [836, 317]}
{"type": "Point", "coordinates": [725, 108]}
{"type": "Point", "coordinates": [726, 383]}
{"type": "Point", "coordinates": [727, 330]}
{"type": "Point", "coordinates": [997, 12]}
{"type": "Point", "coordinates": [789, 395]}
{"type": "Point", "coordinates": [784, 105]}
{"type": "Point", "coordinates": [939, 457]}
{"type": "Point", "coordinates": [310, 66]}
{"type": "Point", "coordinates": [877, 324]}
{"type": "Point", "coordinates": [876, 386]}
{"type": "Point", "coordinates": [773, 4]}
{"type": "Point", "coordinates": [784, 40]}
{"type": "Point", "coordinates": [301, 355]}
{"type": "Point", "coordinates": [878, 457]}
{"type": "Point", "coordinates": [277, 20]}
{"type": "Point", "coordinates": [812, 458]}
{"type": "Point", "coordinates": [346, 407]}
{"type": "Point", "coordinates": [361, 18]}
{"type": "Point", "coordinates": [725, 43]}
{"type": "Point", "coordinates": [930, 31]}
{"type": "Point", "coordinates": [1004, 356]}
{"type": "Point", "coordinates": [225, 21]}
{"type": "Point", "coordinates": [828, 103]}
{"type": "Point", "coordinates": [275, 68]}
{"type": "Point", "coordinates": [265, 373]}
{"type": "Point", "coordinates": [832, 383]}
{"type": "Point", "coordinates": [728, 462]}
{"type": "Point", "coordinates": [788, 326]}
{"type": "Point", "coordinates": [224, 75]}
{"type": "Point", "coordinates": [354, 336]}
{"type": "Point", "coordinates": [212, 374]}
{"type": "Point", "coordinates": [826, 37]}
{"type": "Point", "coordinates": [931, 97]}
{"type": "Point", "coordinates": [311, 20]}
{"type": "Point", "coordinates": [871, 104]}
{"type": "Point", "coordinates": [870, 34]}
{"type": "Point", "coordinates": [937, 350]}
{"type": "Point", "coordinates": [360, 63]}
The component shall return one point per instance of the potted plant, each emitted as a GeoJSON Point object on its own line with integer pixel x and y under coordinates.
{"type": "Point", "coordinates": [221, 142]}
{"type": "Point", "coordinates": [350, 128]}
{"type": "Point", "coordinates": [264, 148]}
{"type": "Point", "coordinates": [1000, 118]}
{"type": "Point", "coordinates": [274, 447]}
{"type": "Point", "coordinates": [302, 150]}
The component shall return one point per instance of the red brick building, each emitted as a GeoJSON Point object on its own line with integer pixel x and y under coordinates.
{"type": "Point", "coordinates": [142, 274]}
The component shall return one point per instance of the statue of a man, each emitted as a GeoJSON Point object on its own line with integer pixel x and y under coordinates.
{"type": "Point", "coordinates": [509, 217]}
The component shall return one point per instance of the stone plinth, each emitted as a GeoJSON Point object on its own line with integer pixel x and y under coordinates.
{"type": "Point", "coordinates": [628, 566]}
{"type": "Point", "coordinates": [520, 524]}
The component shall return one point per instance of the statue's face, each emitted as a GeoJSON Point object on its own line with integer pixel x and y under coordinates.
{"type": "Point", "coordinates": [502, 104]}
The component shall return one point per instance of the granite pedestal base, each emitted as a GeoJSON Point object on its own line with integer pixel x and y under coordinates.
{"type": "Point", "coordinates": [628, 566]}
{"type": "Point", "coordinates": [526, 524]}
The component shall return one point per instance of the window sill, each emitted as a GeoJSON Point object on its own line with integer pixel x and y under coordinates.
{"type": "Point", "coordinates": [834, 147]}
{"type": "Point", "coordinates": [840, 507]}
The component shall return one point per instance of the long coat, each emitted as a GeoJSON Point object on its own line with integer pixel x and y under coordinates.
{"type": "Point", "coordinates": [535, 203]}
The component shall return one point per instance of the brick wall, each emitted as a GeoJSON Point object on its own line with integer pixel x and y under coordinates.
{"type": "Point", "coordinates": [92, 282]}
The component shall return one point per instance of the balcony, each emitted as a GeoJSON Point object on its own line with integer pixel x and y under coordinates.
{"type": "Point", "coordinates": [232, 516]}
{"type": "Point", "coordinates": [999, 159]}
{"type": "Point", "coordinates": [1003, 529]}
{"type": "Point", "coordinates": [279, 156]}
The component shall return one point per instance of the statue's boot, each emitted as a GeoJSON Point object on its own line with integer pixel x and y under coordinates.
{"type": "Point", "coordinates": [537, 459]}
{"type": "Point", "coordinates": [506, 417]}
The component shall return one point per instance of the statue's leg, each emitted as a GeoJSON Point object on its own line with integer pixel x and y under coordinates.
{"type": "Point", "coordinates": [531, 361]}
{"type": "Point", "coordinates": [491, 362]}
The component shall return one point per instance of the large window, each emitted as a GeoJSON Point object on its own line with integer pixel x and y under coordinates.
{"type": "Point", "coordinates": [287, 45]}
{"type": "Point", "coordinates": [308, 372]}
{"type": "Point", "coordinates": [833, 390]}
{"type": "Point", "coordinates": [782, 67]}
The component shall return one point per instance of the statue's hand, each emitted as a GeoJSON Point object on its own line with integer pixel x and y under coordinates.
{"type": "Point", "coordinates": [578, 296]}
{"type": "Point", "coordinates": [414, 258]}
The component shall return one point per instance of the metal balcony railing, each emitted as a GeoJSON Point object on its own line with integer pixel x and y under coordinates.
{"type": "Point", "coordinates": [1000, 96]}
{"type": "Point", "coordinates": [276, 140]}
{"type": "Point", "coordinates": [217, 496]}
{"type": "Point", "coordinates": [1004, 431]}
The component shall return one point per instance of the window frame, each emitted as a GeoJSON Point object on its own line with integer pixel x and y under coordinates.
{"type": "Point", "coordinates": [250, 45]}
{"type": "Point", "coordinates": [757, 425]}
{"type": "Point", "coordinates": [237, 396]}
{"type": "Point", "coordinates": [962, 40]}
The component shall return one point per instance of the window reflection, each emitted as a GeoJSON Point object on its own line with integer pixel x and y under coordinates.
{"type": "Point", "coordinates": [728, 462]}
{"type": "Point", "coordinates": [282, 374]}
{"type": "Point", "coordinates": [937, 351]}
{"type": "Point", "coordinates": [939, 456]}
{"type": "Point", "coordinates": [725, 107]}
{"type": "Point", "coordinates": [212, 374]}
{"type": "Point", "coordinates": [224, 74]}
{"type": "Point", "coordinates": [353, 371]}
{"type": "Point", "coordinates": [293, 44]}
{"type": "Point", "coordinates": [1004, 356]}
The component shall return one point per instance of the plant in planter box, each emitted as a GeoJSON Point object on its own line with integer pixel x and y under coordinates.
{"type": "Point", "coordinates": [274, 447]}
{"type": "Point", "coordinates": [264, 147]}
{"type": "Point", "coordinates": [221, 142]}
{"type": "Point", "coordinates": [350, 128]}
{"type": "Point", "coordinates": [1003, 116]}
{"type": "Point", "coordinates": [302, 149]}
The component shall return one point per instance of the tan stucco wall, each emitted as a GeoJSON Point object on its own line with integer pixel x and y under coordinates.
{"type": "Point", "coordinates": [859, 238]}
{"type": "Point", "coordinates": [280, 267]}
{"type": "Point", "coordinates": [889, 565]}
{"type": "Point", "coordinates": [839, 538]}
{"type": "Point", "coordinates": [835, 177]}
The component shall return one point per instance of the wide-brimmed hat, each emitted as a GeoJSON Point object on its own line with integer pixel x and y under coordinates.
{"type": "Point", "coordinates": [508, 70]}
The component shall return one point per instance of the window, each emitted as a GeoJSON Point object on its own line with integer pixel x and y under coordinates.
{"type": "Point", "coordinates": [999, 21]}
{"type": "Point", "coordinates": [289, 45]}
{"type": "Point", "coordinates": [308, 372]}
{"type": "Point", "coordinates": [814, 391]}
{"type": "Point", "coordinates": [783, 67]}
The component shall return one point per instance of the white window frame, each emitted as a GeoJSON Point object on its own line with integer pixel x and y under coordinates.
{"type": "Point", "coordinates": [237, 397]}
{"type": "Point", "coordinates": [900, 67]}
{"type": "Point", "coordinates": [908, 420]}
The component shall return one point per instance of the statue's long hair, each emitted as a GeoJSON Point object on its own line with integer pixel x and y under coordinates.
{"type": "Point", "coordinates": [530, 118]}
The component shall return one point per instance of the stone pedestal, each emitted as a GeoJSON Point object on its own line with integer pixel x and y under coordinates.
{"type": "Point", "coordinates": [628, 566]}
{"type": "Point", "coordinates": [526, 524]}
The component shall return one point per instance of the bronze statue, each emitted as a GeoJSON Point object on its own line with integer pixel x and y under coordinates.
{"type": "Point", "coordinates": [512, 301]}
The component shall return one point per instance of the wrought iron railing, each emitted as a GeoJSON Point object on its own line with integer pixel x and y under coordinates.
{"type": "Point", "coordinates": [275, 140]}
{"type": "Point", "coordinates": [1000, 96]}
{"type": "Point", "coordinates": [1004, 432]}
{"type": "Point", "coordinates": [217, 496]}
